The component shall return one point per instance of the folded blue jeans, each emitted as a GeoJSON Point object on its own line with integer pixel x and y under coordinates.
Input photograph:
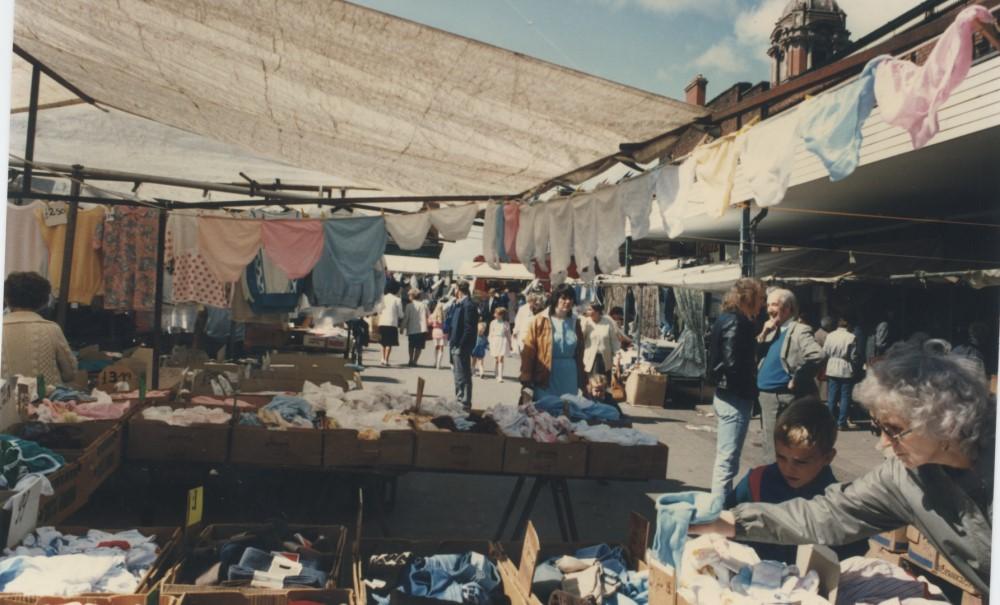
{"type": "Point", "coordinates": [254, 559]}
{"type": "Point", "coordinates": [465, 578]}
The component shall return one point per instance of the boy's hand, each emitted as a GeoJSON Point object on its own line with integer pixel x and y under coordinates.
{"type": "Point", "coordinates": [724, 526]}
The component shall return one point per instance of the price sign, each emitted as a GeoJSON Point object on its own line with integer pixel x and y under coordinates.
{"type": "Point", "coordinates": [196, 504]}
{"type": "Point", "coordinates": [112, 375]}
{"type": "Point", "coordinates": [55, 213]}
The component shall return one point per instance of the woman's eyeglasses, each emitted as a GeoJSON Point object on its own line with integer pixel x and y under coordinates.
{"type": "Point", "coordinates": [893, 433]}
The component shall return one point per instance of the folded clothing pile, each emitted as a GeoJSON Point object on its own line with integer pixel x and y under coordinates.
{"type": "Point", "coordinates": [530, 422]}
{"type": "Point", "coordinates": [461, 578]}
{"type": "Point", "coordinates": [50, 563]}
{"type": "Point", "coordinates": [283, 412]}
{"type": "Point", "coordinates": [578, 408]}
{"type": "Point", "coordinates": [66, 405]}
{"type": "Point", "coordinates": [600, 433]}
{"type": "Point", "coordinates": [371, 411]}
{"type": "Point", "coordinates": [198, 414]}
{"type": "Point", "coordinates": [599, 572]}
{"type": "Point", "coordinates": [469, 423]}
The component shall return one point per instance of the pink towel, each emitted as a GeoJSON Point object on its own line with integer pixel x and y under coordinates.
{"type": "Point", "coordinates": [294, 246]}
{"type": "Point", "coordinates": [909, 96]}
{"type": "Point", "coordinates": [511, 219]}
{"type": "Point", "coordinates": [228, 245]}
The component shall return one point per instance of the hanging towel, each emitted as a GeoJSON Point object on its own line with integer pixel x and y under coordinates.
{"type": "Point", "coordinates": [674, 514]}
{"type": "Point", "coordinates": [408, 230]}
{"type": "Point", "coordinates": [26, 251]}
{"type": "Point", "coordinates": [228, 245]}
{"type": "Point", "coordinates": [347, 274]}
{"type": "Point", "coordinates": [636, 199]}
{"type": "Point", "coordinates": [454, 222]}
{"type": "Point", "coordinates": [682, 207]}
{"type": "Point", "coordinates": [769, 157]}
{"type": "Point", "coordinates": [541, 238]}
{"type": "Point", "coordinates": [192, 280]}
{"type": "Point", "coordinates": [490, 253]}
{"type": "Point", "coordinates": [831, 123]}
{"type": "Point", "coordinates": [294, 246]}
{"type": "Point", "coordinates": [715, 171]}
{"type": "Point", "coordinates": [560, 239]}
{"type": "Point", "coordinates": [609, 216]}
{"type": "Point", "coordinates": [511, 226]}
{"type": "Point", "coordinates": [666, 186]}
{"type": "Point", "coordinates": [526, 236]}
{"type": "Point", "coordinates": [502, 234]}
{"type": "Point", "coordinates": [909, 96]}
{"type": "Point", "coordinates": [584, 235]}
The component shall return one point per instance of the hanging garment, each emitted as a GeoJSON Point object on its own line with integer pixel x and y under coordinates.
{"type": "Point", "coordinates": [560, 239]}
{"type": "Point", "coordinates": [715, 171]}
{"type": "Point", "coordinates": [348, 274]}
{"type": "Point", "coordinates": [243, 312]}
{"type": "Point", "coordinates": [909, 96]}
{"type": "Point", "coordinates": [542, 244]}
{"type": "Point", "coordinates": [266, 286]}
{"type": "Point", "coordinates": [192, 280]}
{"type": "Point", "coordinates": [490, 253]}
{"type": "Point", "coordinates": [85, 271]}
{"type": "Point", "coordinates": [454, 222]}
{"type": "Point", "coordinates": [585, 235]}
{"type": "Point", "coordinates": [682, 206]}
{"type": "Point", "coordinates": [502, 234]}
{"type": "Point", "coordinates": [408, 230]}
{"type": "Point", "coordinates": [25, 248]}
{"type": "Point", "coordinates": [831, 123]}
{"type": "Point", "coordinates": [511, 225]}
{"type": "Point", "coordinates": [636, 199]}
{"type": "Point", "coordinates": [611, 232]}
{"type": "Point", "coordinates": [666, 186]}
{"type": "Point", "coordinates": [525, 249]}
{"type": "Point", "coordinates": [294, 245]}
{"type": "Point", "coordinates": [127, 240]}
{"type": "Point", "coordinates": [769, 155]}
{"type": "Point", "coordinates": [227, 245]}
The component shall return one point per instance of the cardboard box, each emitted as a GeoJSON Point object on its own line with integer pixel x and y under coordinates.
{"type": "Point", "coordinates": [227, 595]}
{"type": "Point", "coordinates": [877, 552]}
{"type": "Point", "coordinates": [342, 448]}
{"type": "Point", "coordinates": [922, 554]}
{"type": "Point", "coordinates": [646, 389]}
{"type": "Point", "coordinates": [67, 497]}
{"type": "Point", "coordinates": [99, 461]}
{"type": "Point", "coordinates": [131, 599]}
{"type": "Point", "coordinates": [470, 452]}
{"type": "Point", "coordinates": [893, 541]}
{"type": "Point", "coordinates": [528, 457]}
{"type": "Point", "coordinates": [613, 461]}
{"type": "Point", "coordinates": [152, 440]}
{"type": "Point", "coordinates": [260, 446]}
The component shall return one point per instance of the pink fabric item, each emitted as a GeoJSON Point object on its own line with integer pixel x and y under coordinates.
{"type": "Point", "coordinates": [102, 411]}
{"type": "Point", "coordinates": [216, 402]}
{"type": "Point", "coordinates": [228, 245]}
{"type": "Point", "coordinates": [511, 220]}
{"type": "Point", "coordinates": [294, 246]}
{"type": "Point", "coordinates": [909, 96]}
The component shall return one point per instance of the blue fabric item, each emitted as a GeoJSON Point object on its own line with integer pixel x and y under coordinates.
{"type": "Point", "coordinates": [347, 274]}
{"type": "Point", "coordinates": [733, 414]}
{"type": "Point", "coordinates": [290, 408]}
{"type": "Point", "coordinates": [674, 514]}
{"type": "Point", "coordinates": [94, 365]}
{"type": "Point", "coordinates": [482, 345]}
{"type": "Point", "coordinates": [563, 378]}
{"type": "Point", "coordinates": [250, 419]}
{"type": "Point", "coordinates": [501, 228]}
{"type": "Point", "coordinates": [772, 375]}
{"type": "Point", "coordinates": [839, 389]}
{"type": "Point", "coordinates": [831, 123]}
{"type": "Point", "coordinates": [466, 578]}
{"type": "Point", "coordinates": [463, 328]}
{"type": "Point", "coordinates": [580, 408]}
{"type": "Point", "coordinates": [63, 394]}
{"type": "Point", "coordinates": [19, 457]}
{"type": "Point", "coordinates": [254, 559]}
{"type": "Point", "coordinates": [218, 322]}
{"type": "Point", "coordinates": [548, 578]}
{"type": "Point", "coordinates": [261, 300]}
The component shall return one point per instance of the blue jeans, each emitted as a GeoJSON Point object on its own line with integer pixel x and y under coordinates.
{"type": "Point", "coordinates": [461, 368]}
{"type": "Point", "coordinates": [733, 413]}
{"type": "Point", "coordinates": [839, 388]}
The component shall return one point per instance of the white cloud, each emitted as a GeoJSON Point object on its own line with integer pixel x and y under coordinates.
{"type": "Point", "coordinates": [713, 8]}
{"type": "Point", "coordinates": [724, 56]}
{"type": "Point", "coordinates": [753, 26]}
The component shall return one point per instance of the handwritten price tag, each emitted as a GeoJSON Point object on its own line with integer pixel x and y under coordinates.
{"type": "Point", "coordinates": [56, 213]}
{"type": "Point", "coordinates": [112, 375]}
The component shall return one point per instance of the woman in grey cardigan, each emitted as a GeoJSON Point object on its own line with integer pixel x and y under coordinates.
{"type": "Point", "coordinates": [936, 413]}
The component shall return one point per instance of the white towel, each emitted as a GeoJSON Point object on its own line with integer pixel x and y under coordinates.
{"type": "Point", "coordinates": [525, 244]}
{"type": "Point", "coordinates": [542, 235]}
{"type": "Point", "coordinates": [636, 198]}
{"type": "Point", "coordinates": [408, 230]}
{"type": "Point", "coordinates": [611, 235]}
{"type": "Point", "coordinates": [490, 253]}
{"type": "Point", "coordinates": [454, 222]}
{"type": "Point", "coordinates": [560, 239]}
{"type": "Point", "coordinates": [769, 156]}
{"type": "Point", "coordinates": [584, 235]}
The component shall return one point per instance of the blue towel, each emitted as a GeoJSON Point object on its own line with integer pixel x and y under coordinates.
{"type": "Point", "coordinates": [467, 578]}
{"type": "Point", "coordinates": [674, 514]}
{"type": "Point", "coordinates": [290, 408]}
{"type": "Point", "coordinates": [580, 408]}
{"type": "Point", "coordinates": [831, 123]}
{"type": "Point", "coordinates": [346, 274]}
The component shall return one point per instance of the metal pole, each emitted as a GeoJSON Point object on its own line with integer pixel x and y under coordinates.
{"type": "Point", "coordinates": [628, 256]}
{"type": "Point", "coordinates": [161, 238]}
{"type": "Point", "coordinates": [68, 242]}
{"type": "Point", "coordinates": [746, 244]}
{"type": "Point", "coordinates": [29, 143]}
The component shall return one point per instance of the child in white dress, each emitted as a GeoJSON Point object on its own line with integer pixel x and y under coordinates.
{"type": "Point", "coordinates": [499, 339]}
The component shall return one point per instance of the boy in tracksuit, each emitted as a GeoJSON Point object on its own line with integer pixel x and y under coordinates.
{"type": "Point", "coordinates": [804, 438]}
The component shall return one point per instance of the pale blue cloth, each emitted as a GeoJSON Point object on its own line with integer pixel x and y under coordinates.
{"type": "Point", "coordinates": [467, 578]}
{"type": "Point", "coordinates": [563, 378]}
{"type": "Point", "coordinates": [831, 123]}
{"type": "Point", "coordinates": [674, 514]}
{"type": "Point", "coordinates": [580, 408]}
{"type": "Point", "coordinates": [346, 274]}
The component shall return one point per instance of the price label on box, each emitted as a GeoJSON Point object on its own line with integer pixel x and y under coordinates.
{"type": "Point", "coordinates": [112, 375]}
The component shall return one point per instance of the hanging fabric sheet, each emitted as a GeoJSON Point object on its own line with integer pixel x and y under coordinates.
{"type": "Point", "coordinates": [346, 274]}
{"type": "Point", "coordinates": [526, 236]}
{"type": "Point", "coordinates": [127, 240]}
{"type": "Point", "coordinates": [715, 171]}
{"type": "Point", "coordinates": [85, 270]}
{"type": "Point", "coordinates": [490, 254]}
{"type": "Point", "coordinates": [512, 224]}
{"type": "Point", "coordinates": [294, 246]}
{"type": "Point", "coordinates": [408, 230]}
{"type": "Point", "coordinates": [560, 239]}
{"type": "Point", "coordinates": [610, 217]}
{"type": "Point", "coordinates": [831, 123]}
{"type": "Point", "coordinates": [228, 245]}
{"type": "Point", "coordinates": [192, 281]}
{"type": "Point", "coordinates": [682, 207]}
{"type": "Point", "coordinates": [26, 251]}
{"type": "Point", "coordinates": [267, 287]}
{"type": "Point", "coordinates": [665, 186]}
{"type": "Point", "coordinates": [584, 235]}
{"type": "Point", "coordinates": [502, 234]}
{"type": "Point", "coordinates": [909, 96]}
{"type": "Point", "coordinates": [769, 156]}
{"type": "Point", "coordinates": [636, 199]}
{"type": "Point", "coordinates": [454, 222]}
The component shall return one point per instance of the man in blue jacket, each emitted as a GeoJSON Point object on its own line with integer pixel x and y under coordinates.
{"type": "Point", "coordinates": [461, 340]}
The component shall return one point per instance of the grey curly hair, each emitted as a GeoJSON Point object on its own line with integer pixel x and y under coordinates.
{"type": "Point", "coordinates": [941, 395]}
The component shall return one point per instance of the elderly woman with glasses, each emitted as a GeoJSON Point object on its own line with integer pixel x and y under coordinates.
{"type": "Point", "coordinates": [934, 411]}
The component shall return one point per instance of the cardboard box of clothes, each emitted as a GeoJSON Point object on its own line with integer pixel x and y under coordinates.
{"type": "Point", "coordinates": [248, 548]}
{"type": "Point", "coordinates": [529, 457]}
{"type": "Point", "coordinates": [224, 595]}
{"type": "Point", "coordinates": [893, 541]}
{"type": "Point", "coordinates": [523, 587]}
{"type": "Point", "coordinates": [613, 461]}
{"type": "Point", "coordinates": [922, 554]}
{"type": "Point", "coordinates": [100, 460]}
{"type": "Point", "coordinates": [157, 441]}
{"type": "Point", "coordinates": [458, 451]}
{"type": "Point", "coordinates": [277, 448]}
{"type": "Point", "coordinates": [646, 389]}
{"type": "Point", "coordinates": [343, 448]}
{"type": "Point", "coordinates": [314, 368]}
{"type": "Point", "coordinates": [129, 599]}
{"type": "Point", "coordinates": [67, 497]}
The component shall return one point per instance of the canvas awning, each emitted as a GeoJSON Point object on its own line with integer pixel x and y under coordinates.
{"type": "Point", "coordinates": [483, 271]}
{"type": "Point", "coordinates": [342, 90]}
{"type": "Point", "coordinates": [415, 265]}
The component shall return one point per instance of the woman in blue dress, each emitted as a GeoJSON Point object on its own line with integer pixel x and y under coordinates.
{"type": "Point", "coordinates": [552, 357]}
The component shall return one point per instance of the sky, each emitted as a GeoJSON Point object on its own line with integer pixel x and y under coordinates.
{"type": "Point", "coordinates": [655, 45]}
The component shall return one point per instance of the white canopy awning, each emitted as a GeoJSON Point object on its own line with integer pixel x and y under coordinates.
{"type": "Point", "coordinates": [415, 265]}
{"type": "Point", "coordinates": [484, 271]}
{"type": "Point", "coordinates": [339, 89]}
